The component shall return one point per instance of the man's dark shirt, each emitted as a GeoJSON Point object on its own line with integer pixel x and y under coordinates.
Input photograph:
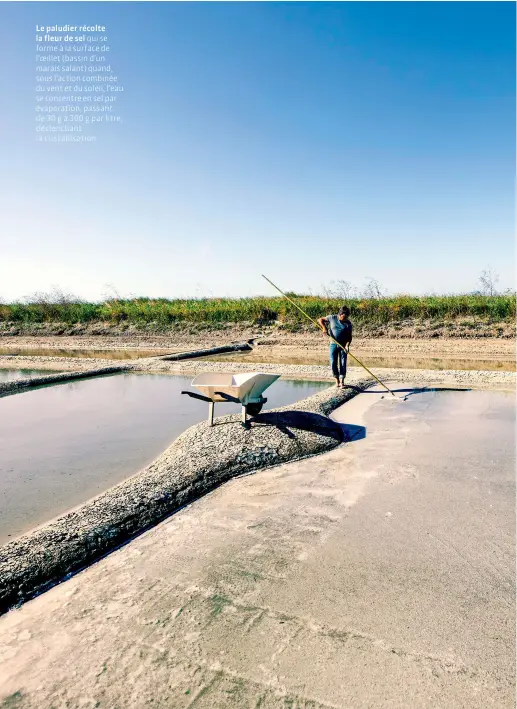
{"type": "Point", "coordinates": [340, 331]}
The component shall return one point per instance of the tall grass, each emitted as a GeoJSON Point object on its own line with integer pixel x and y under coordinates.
{"type": "Point", "coordinates": [163, 312]}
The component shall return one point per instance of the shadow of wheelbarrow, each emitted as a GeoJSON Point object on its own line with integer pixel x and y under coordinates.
{"type": "Point", "coordinates": [289, 422]}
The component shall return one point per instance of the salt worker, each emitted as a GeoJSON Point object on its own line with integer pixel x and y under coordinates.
{"type": "Point", "coordinates": [340, 328]}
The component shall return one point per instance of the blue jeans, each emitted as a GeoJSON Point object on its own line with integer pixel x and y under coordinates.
{"type": "Point", "coordinates": [337, 361]}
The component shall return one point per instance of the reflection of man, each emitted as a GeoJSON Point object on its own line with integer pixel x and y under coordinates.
{"type": "Point", "coordinates": [340, 327]}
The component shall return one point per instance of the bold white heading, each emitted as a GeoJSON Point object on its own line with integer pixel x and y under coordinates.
{"type": "Point", "coordinates": [70, 28]}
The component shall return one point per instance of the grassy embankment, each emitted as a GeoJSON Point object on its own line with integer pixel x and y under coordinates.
{"type": "Point", "coordinates": [493, 314]}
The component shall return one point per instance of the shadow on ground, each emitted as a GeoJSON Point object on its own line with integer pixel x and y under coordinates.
{"type": "Point", "coordinates": [287, 422]}
{"type": "Point", "coordinates": [351, 432]}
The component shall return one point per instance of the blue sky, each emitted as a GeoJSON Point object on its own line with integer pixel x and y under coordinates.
{"type": "Point", "coordinates": [309, 141]}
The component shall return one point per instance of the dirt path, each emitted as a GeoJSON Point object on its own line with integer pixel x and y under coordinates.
{"type": "Point", "coordinates": [378, 575]}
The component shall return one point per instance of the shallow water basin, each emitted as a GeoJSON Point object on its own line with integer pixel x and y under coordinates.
{"type": "Point", "coordinates": [395, 362]}
{"type": "Point", "coordinates": [82, 354]}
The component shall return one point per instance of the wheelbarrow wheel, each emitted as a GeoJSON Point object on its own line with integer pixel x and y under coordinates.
{"type": "Point", "coordinates": [255, 408]}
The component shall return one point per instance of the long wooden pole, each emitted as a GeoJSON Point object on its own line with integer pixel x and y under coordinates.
{"type": "Point", "coordinates": [333, 340]}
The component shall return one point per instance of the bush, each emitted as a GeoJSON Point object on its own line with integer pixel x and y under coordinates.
{"type": "Point", "coordinates": [62, 308]}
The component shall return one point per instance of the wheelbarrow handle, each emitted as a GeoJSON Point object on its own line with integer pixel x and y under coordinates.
{"type": "Point", "coordinates": [197, 396]}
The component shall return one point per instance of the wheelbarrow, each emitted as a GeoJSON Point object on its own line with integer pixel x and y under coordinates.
{"type": "Point", "coordinates": [245, 389]}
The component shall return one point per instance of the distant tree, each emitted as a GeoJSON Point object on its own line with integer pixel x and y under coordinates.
{"type": "Point", "coordinates": [111, 293]}
{"type": "Point", "coordinates": [373, 289]}
{"type": "Point", "coordinates": [339, 289]}
{"type": "Point", "coordinates": [488, 280]}
{"type": "Point", "coordinates": [55, 297]}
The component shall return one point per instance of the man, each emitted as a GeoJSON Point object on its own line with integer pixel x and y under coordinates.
{"type": "Point", "coordinates": [340, 328]}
